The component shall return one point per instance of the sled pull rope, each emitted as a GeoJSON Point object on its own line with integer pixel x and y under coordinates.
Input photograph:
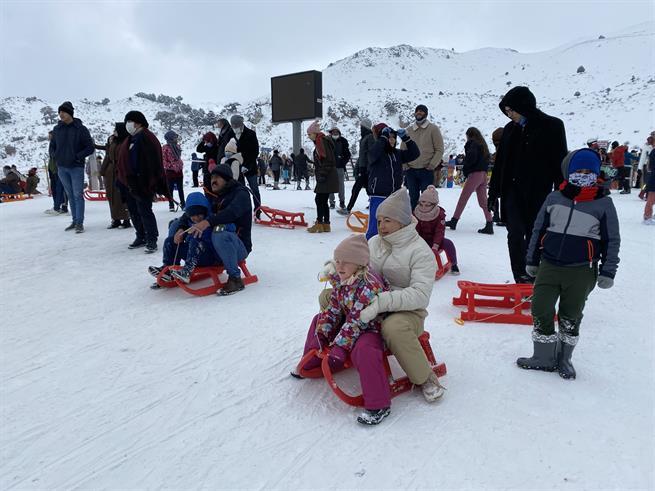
{"type": "Point", "coordinates": [459, 321]}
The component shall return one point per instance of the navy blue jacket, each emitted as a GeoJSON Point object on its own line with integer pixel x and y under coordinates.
{"type": "Point", "coordinates": [385, 170]}
{"type": "Point", "coordinates": [232, 205]}
{"type": "Point", "coordinates": [71, 144]}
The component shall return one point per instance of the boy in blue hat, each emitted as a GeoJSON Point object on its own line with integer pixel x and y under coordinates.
{"type": "Point", "coordinates": [574, 246]}
{"type": "Point", "coordinates": [195, 251]}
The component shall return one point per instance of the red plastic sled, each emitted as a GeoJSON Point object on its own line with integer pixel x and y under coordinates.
{"type": "Point", "coordinates": [213, 272]}
{"type": "Point", "coordinates": [510, 296]}
{"type": "Point", "coordinates": [90, 195]}
{"type": "Point", "coordinates": [443, 264]}
{"type": "Point", "coordinates": [7, 197]}
{"type": "Point", "coordinates": [360, 222]}
{"type": "Point", "coordinates": [397, 386]}
{"type": "Point", "coordinates": [272, 217]}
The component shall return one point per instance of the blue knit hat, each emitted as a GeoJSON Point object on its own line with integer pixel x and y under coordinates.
{"type": "Point", "coordinates": [585, 158]}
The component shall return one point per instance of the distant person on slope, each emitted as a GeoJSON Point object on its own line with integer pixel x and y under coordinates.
{"type": "Point", "coordinates": [573, 247]}
{"type": "Point", "coordinates": [109, 170]}
{"type": "Point", "coordinates": [361, 168]}
{"type": "Point", "coordinates": [618, 163]}
{"type": "Point", "coordinates": [71, 143]}
{"type": "Point", "coordinates": [208, 146]}
{"type": "Point", "coordinates": [10, 183]}
{"type": "Point", "coordinates": [526, 169]}
{"type": "Point", "coordinates": [32, 182]}
{"type": "Point", "coordinates": [301, 168]}
{"type": "Point", "coordinates": [141, 172]}
{"type": "Point", "coordinates": [476, 162]}
{"type": "Point", "coordinates": [327, 180]}
{"type": "Point", "coordinates": [650, 190]}
{"type": "Point", "coordinates": [342, 157]}
{"type": "Point", "coordinates": [59, 199]}
{"type": "Point", "coordinates": [248, 147]}
{"type": "Point", "coordinates": [420, 171]}
{"type": "Point", "coordinates": [276, 166]}
{"type": "Point", "coordinates": [173, 168]}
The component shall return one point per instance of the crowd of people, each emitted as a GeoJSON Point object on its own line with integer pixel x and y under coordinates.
{"type": "Point", "coordinates": [381, 281]}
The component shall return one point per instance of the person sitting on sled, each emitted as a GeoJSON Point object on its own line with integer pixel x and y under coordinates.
{"type": "Point", "coordinates": [340, 327]}
{"type": "Point", "coordinates": [576, 228]}
{"type": "Point", "coordinates": [196, 251]}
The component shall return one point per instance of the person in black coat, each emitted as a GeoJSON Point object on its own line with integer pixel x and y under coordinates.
{"type": "Point", "coordinates": [225, 134]}
{"type": "Point", "coordinates": [248, 147]}
{"type": "Point", "coordinates": [209, 147]}
{"type": "Point", "coordinates": [526, 169]}
{"type": "Point", "coordinates": [361, 172]}
{"type": "Point", "coordinates": [342, 156]}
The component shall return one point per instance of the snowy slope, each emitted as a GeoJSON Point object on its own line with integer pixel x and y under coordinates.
{"type": "Point", "coordinates": [617, 91]}
{"type": "Point", "coordinates": [105, 383]}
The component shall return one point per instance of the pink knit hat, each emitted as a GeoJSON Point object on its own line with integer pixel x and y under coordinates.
{"type": "Point", "coordinates": [431, 195]}
{"type": "Point", "coordinates": [314, 128]}
{"type": "Point", "coordinates": [353, 249]}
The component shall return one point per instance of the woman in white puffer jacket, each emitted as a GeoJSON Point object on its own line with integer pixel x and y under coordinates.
{"type": "Point", "coordinates": [406, 261]}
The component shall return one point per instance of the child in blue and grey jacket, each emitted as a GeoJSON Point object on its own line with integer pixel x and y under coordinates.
{"type": "Point", "coordinates": [574, 246]}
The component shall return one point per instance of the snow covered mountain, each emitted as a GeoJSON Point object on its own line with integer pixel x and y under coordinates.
{"type": "Point", "coordinates": [602, 87]}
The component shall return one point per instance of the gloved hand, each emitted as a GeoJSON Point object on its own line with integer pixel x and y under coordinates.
{"type": "Point", "coordinates": [244, 169]}
{"type": "Point", "coordinates": [492, 204]}
{"type": "Point", "coordinates": [386, 132]}
{"type": "Point", "coordinates": [370, 312]}
{"type": "Point", "coordinates": [402, 134]}
{"type": "Point", "coordinates": [605, 282]}
{"type": "Point", "coordinates": [337, 357]}
{"type": "Point", "coordinates": [532, 270]}
{"type": "Point", "coordinates": [329, 268]}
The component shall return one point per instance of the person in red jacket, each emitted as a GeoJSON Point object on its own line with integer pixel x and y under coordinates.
{"type": "Point", "coordinates": [431, 225]}
{"type": "Point", "coordinates": [618, 163]}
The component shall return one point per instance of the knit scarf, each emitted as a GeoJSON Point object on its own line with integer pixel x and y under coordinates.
{"type": "Point", "coordinates": [578, 194]}
{"type": "Point", "coordinates": [427, 216]}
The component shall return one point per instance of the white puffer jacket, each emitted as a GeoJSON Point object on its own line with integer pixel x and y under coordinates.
{"type": "Point", "coordinates": [408, 264]}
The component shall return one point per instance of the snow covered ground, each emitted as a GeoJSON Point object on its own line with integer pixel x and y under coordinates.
{"type": "Point", "coordinates": [105, 383]}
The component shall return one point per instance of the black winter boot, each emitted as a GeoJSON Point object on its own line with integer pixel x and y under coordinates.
{"type": "Point", "coordinates": [565, 347]}
{"type": "Point", "coordinates": [234, 284]}
{"type": "Point", "coordinates": [452, 223]}
{"type": "Point", "coordinates": [488, 229]}
{"type": "Point", "coordinates": [544, 354]}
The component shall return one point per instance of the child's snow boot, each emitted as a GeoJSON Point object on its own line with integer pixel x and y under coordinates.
{"type": "Point", "coordinates": [454, 270]}
{"type": "Point", "coordinates": [373, 417]}
{"type": "Point", "coordinates": [488, 229]}
{"type": "Point", "coordinates": [544, 354]}
{"type": "Point", "coordinates": [432, 388]}
{"type": "Point", "coordinates": [184, 274]}
{"type": "Point", "coordinates": [565, 347]}
{"type": "Point", "coordinates": [452, 223]}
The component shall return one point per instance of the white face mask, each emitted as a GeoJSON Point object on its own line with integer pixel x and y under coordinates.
{"type": "Point", "coordinates": [129, 126]}
{"type": "Point", "coordinates": [335, 137]}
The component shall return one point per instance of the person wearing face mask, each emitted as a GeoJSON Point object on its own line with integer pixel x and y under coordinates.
{"type": "Point", "coordinates": [141, 171]}
{"type": "Point", "coordinates": [385, 167]}
{"type": "Point", "coordinates": [225, 134]}
{"type": "Point", "coordinates": [234, 160]}
{"type": "Point", "coordinates": [173, 168]}
{"type": "Point", "coordinates": [209, 147]}
{"type": "Point", "coordinates": [276, 165]}
{"type": "Point", "coordinates": [248, 147]}
{"type": "Point", "coordinates": [419, 173]}
{"type": "Point", "coordinates": [71, 143]}
{"type": "Point", "coordinates": [342, 154]}
{"type": "Point", "coordinates": [574, 247]}
{"type": "Point", "coordinates": [108, 170]}
{"type": "Point", "coordinates": [526, 169]}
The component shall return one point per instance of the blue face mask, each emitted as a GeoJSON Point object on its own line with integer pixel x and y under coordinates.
{"type": "Point", "coordinates": [209, 145]}
{"type": "Point", "coordinates": [229, 154]}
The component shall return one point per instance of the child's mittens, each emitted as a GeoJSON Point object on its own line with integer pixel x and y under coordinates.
{"type": "Point", "coordinates": [329, 268]}
{"type": "Point", "coordinates": [605, 282]}
{"type": "Point", "coordinates": [532, 270]}
{"type": "Point", "coordinates": [370, 312]}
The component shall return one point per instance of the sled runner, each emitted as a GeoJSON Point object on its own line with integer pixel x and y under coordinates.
{"type": "Point", "coordinates": [272, 217]}
{"type": "Point", "coordinates": [90, 195]}
{"type": "Point", "coordinates": [360, 222]}
{"type": "Point", "coordinates": [510, 296]}
{"type": "Point", "coordinates": [397, 386]}
{"type": "Point", "coordinates": [6, 197]}
{"type": "Point", "coordinates": [201, 273]}
{"type": "Point", "coordinates": [443, 264]}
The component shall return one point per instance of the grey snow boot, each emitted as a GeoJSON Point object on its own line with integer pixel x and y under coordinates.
{"type": "Point", "coordinates": [565, 348]}
{"type": "Point", "coordinates": [544, 354]}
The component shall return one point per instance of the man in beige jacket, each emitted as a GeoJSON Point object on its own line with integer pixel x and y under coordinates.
{"type": "Point", "coordinates": [420, 172]}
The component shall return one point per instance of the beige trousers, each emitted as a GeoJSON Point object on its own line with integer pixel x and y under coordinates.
{"type": "Point", "coordinates": [400, 331]}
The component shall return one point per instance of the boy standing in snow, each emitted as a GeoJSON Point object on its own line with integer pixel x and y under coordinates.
{"type": "Point", "coordinates": [339, 326]}
{"type": "Point", "coordinates": [576, 228]}
{"type": "Point", "coordinates": [194, 251]}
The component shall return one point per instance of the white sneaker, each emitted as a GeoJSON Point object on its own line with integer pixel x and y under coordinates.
{"type": "Point", "coordinates": [648, 221]}
{"type": "Point", "coordinates": [432, 389]}
{"type": "Point", "coordinates": [51, 211]}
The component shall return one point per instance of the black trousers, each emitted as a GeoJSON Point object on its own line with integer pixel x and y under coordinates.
{"type": "Point", "coordinates": [172, 184]}
{"type": "Point", "coordinates": [195, 178]}
{"type": "Point", "coordinates": [519, 220]}
{"type": "Point", "coordinates": [143, 219]}
{"type": "Point", "coordinates": [322, 207]}
{"type": "Point", "coordinates": [360, 182]}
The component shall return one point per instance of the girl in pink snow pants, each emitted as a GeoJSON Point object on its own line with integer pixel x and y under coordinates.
{"type": "Point", "coordinates": [339, 326]}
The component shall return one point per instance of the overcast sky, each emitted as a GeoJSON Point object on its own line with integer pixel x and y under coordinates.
{"type": "Point", "coordinates": [227, 50]}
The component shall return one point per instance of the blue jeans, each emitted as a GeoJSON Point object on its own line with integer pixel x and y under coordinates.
{"type": "Point", "coordinates": [416, 181]}
{"type": "Point", "coordinates": [57, 191]}
{"type": "Point", "coordinates": [230, 250]}
{"type": "Point", "coordinates": [373, 203]}
{"type": "Point", "coordinates": [194, 252]}
{"type": "Point", "coordinates": [72, 179]}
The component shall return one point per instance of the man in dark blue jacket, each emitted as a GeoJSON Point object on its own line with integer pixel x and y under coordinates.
{"type": "Point", "coordinates": [230, 202]}
{"type": "Point", "coordinates": [71, 143]}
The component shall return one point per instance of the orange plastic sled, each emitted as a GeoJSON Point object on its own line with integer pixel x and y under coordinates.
{"type": "Point", "coordinates": [357, 222]}
{"type": "Point", "coordinates": [272, 217]}
{"type": "Point", "coordinates": [397, 386]}
{"type": "Point", "coordinates": [509, 296]}
{"type": "Point", "coordinates": [212, 272]}
{"type": "Point", "coordinates": [7, 197]}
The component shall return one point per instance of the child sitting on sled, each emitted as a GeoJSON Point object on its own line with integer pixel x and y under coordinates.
{"type": "Point", "coordinates": [180, 245]}
{"type": "Point", "coordinates": [339, 327]}
{"type": "Point", "coordinates": [431, 225]}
